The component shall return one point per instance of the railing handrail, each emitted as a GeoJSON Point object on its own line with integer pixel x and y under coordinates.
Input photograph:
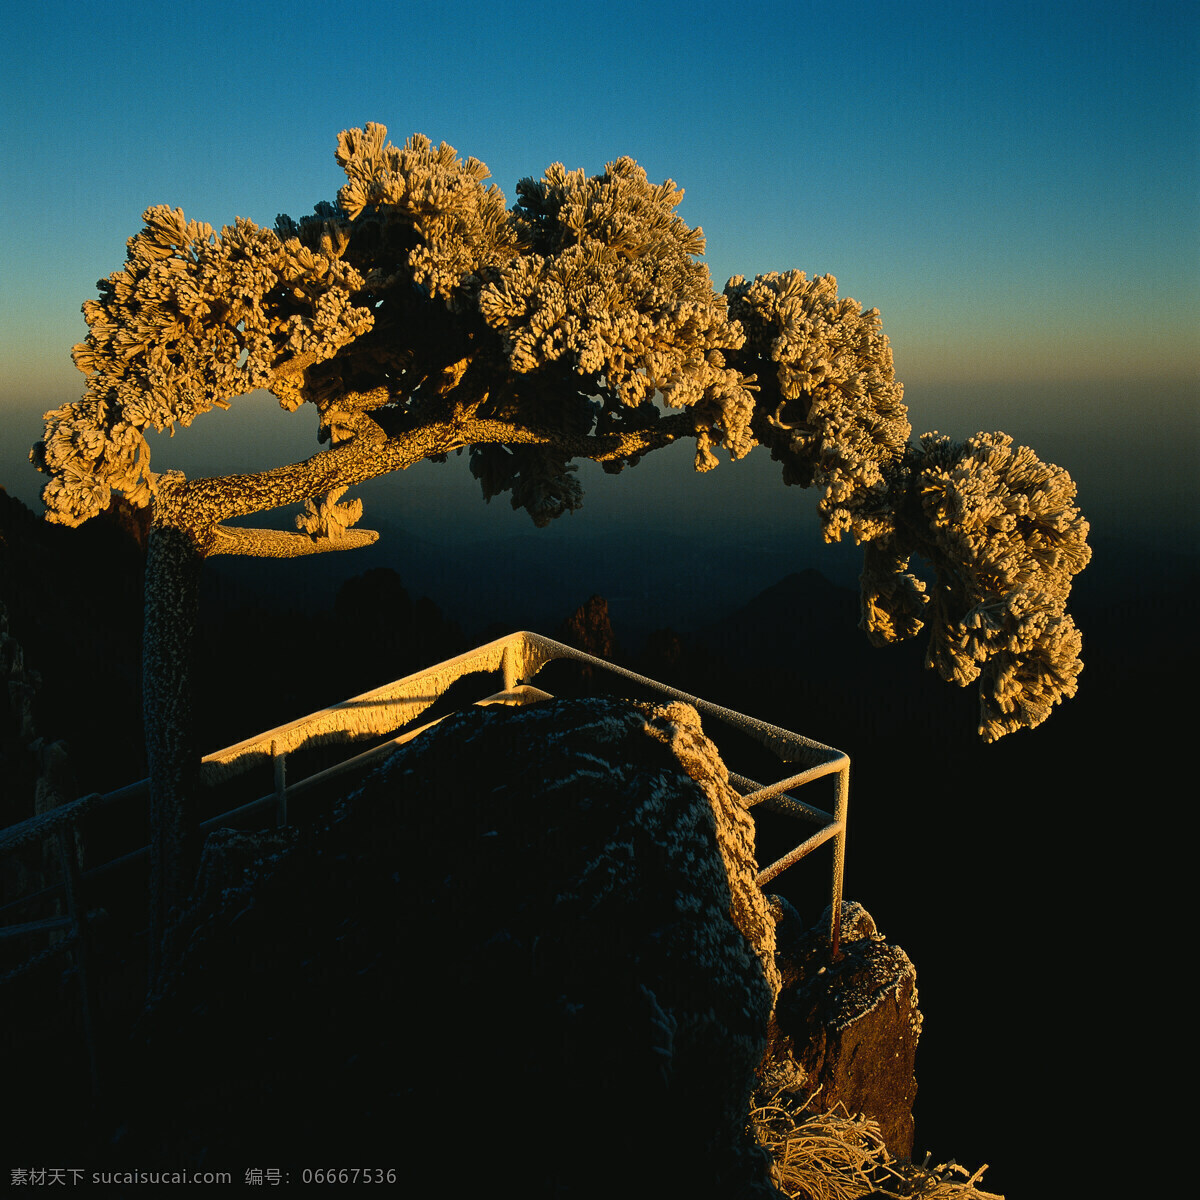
{"type": "Point", "coordinates": [13, 837]}
{"type": "Point", "coordinates": [520, 656]}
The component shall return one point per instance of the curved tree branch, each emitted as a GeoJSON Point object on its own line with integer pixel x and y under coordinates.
{"type": "Point", "coordinates": [199, 506]}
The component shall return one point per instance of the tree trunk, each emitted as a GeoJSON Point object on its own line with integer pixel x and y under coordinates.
{"type": "Point", "coordinates": [168, 651]}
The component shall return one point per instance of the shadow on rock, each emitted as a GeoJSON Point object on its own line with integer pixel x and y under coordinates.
{"type": "Point", "coordinates": [528, 950]}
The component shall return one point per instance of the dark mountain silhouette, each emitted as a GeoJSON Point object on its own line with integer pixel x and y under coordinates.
{"type": "Point", "coordinates": [73, 599]}
{"type": "Point", "coordinates": [650, 576]}
{"type": "Point", "coordinates": [803, 623]}
{"type": "Point", "coordinates": [263, 665]}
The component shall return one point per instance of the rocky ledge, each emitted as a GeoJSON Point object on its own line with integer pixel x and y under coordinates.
{"type": "Point", "coordinates": [529, 949]}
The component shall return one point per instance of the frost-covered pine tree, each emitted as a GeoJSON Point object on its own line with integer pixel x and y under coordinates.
{"type": "Point", "coordinates": [420, 316]}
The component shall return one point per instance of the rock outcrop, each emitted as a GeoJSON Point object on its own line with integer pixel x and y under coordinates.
{"type": "Point", "coordinates": [528, 950]}
{"type": "Point", "coordinates": [589, 628]}
{"type": "Point", "coordinates": [852, 1026]}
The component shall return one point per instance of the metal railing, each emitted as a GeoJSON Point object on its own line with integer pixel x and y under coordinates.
{"type": "Point", "coordinates": [396, 706]}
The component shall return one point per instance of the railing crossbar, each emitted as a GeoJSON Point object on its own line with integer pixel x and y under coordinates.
{"type": "Point", "coordinates": [775, 796]}
{"type": "Point", "coordinates": [794, 855]}
{"type": "Point", "coordinates": [45, 925]}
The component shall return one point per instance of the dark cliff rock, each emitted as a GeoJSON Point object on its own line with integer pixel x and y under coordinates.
{"type": "Point", "coordinates": [73, 602]}
{"type": "Point", "coordinates": [529, 949]}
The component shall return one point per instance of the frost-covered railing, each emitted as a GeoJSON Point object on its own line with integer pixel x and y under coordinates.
{"type": "Point", "coordinates": [518, 658]}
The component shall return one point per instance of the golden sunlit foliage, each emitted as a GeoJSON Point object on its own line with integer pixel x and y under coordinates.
{"type": "Point", "coordinates": [420, 316]}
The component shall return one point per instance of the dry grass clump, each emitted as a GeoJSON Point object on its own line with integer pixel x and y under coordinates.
{"type": "Point", "coordinates": [836, 1156]}
{"type": "Point", "coordinates": [927, 1182]}
{"type": "Point", "coordinates": [820, 1156]}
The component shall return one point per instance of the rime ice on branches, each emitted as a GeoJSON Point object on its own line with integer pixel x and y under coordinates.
{"type": "Point", "coordinates": [420, 315]}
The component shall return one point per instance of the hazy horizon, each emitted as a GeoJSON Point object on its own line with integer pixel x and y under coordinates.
{"type": "Point", "coordinates": [1140, 490]}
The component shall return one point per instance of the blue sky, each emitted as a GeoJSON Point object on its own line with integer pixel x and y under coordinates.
{"type": "Point", "coordinates": [1015, 186]}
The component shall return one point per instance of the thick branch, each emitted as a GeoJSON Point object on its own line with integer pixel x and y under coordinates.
{"type": "Point", "coordinates": [199, 505]}
{"type": "Point", "coordinates": [278, 543]}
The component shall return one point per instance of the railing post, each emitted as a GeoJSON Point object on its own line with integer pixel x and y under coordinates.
{"type": "Point", "coordinates": [841, 809]}
{"type": "Point", "coordinates": [77, 914]}
{"type": "Point", "coordinates": [280, 763]}
{"type": "Point", "coordinates": [508, 664]}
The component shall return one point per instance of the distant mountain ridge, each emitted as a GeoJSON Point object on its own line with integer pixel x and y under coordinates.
{"type": "Point", "coordinates": [650, 576]}
{"type": "Point", "coordinates": [792, 617]}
